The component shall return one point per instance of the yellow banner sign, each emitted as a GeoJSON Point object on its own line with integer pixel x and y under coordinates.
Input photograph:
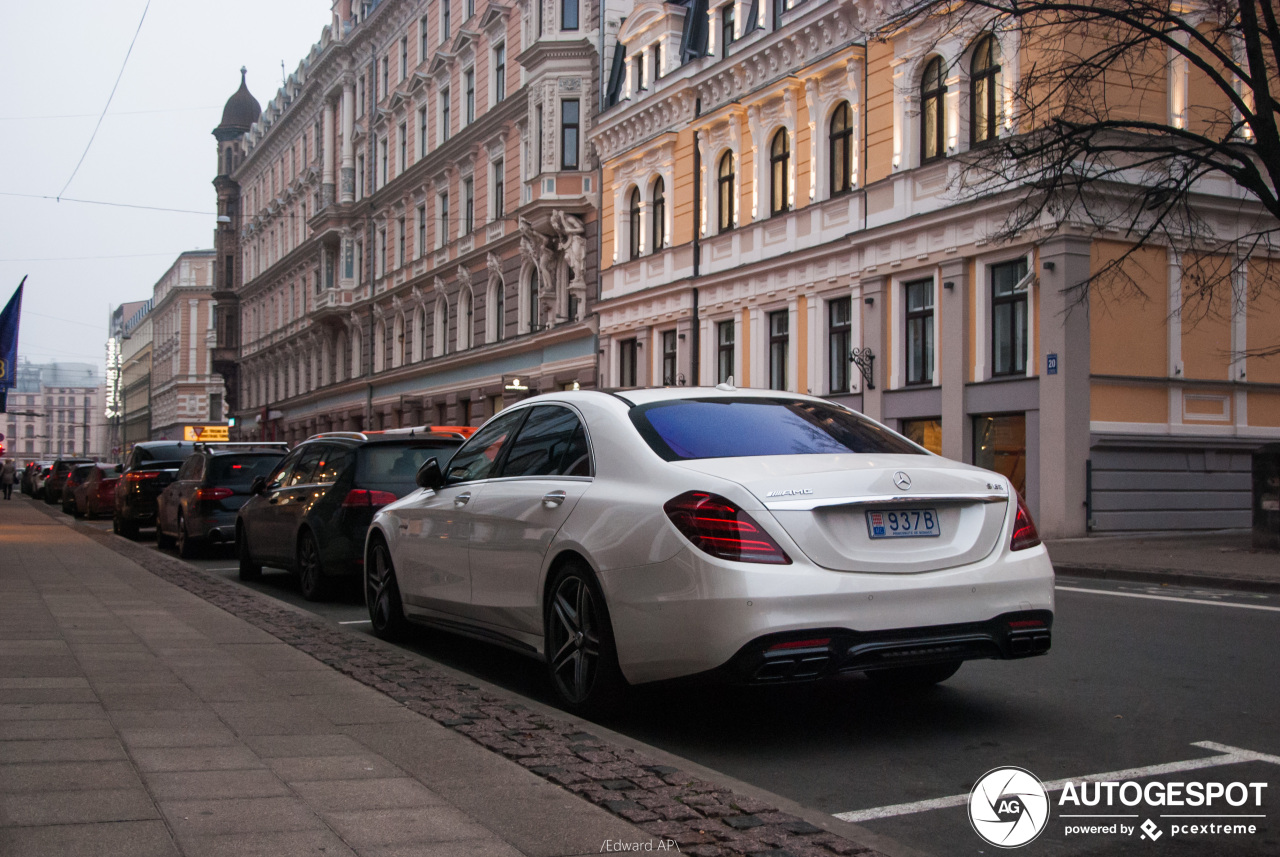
{"type": "Point", "coordinates": [208, 434]}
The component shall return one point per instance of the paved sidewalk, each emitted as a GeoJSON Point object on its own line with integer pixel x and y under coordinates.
{"type": "Point", "coordinates": [1223, 559]}
{"type": "Point", "coordinates": [148, 708]}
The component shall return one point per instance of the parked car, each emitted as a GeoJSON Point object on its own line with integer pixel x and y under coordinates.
{"type": "Point", "coordinates": [38, 479]}
{"type": "Point", "coordinates": [756, 536]}
{"type": "Point", "coordinates": [149, 469]}
{"type": "Point", "coordinates": [29, 473]}
{"type": "Point", "coordinates": [58, 477]}
{"type": "Point", "coordinates": [97, 492]}
{"type": "Point", "coordinates": [73, 481]}
{"type": "Point", "coordinates": [310, 514]}
{"type": "Point", "coordinates": [199, 507]}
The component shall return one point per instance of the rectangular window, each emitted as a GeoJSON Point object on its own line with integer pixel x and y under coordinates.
{"type": "Point", "coordinates": [404, 57]}
{"type": "Point", "coordinates": [724, 351]}
{"type": "Point", "coordinates": [569, 134]}
{"type": "Point", "coordinates": [499, 190]}
{"type": "Point", "coordinates": [386, 74]}
{"type": "Point", "coordinates": [627, 363]}
{"type": "Point", "coordinates": [839, 342]}
{"type": "Point", "coordinates": [779, 343]}
{"type": "Point", "coordinates": [422, 231]}
{"type": "Point", "coordinates": [927, 433]}
{"type": "Point", "coordinates": [669, 357]}
{"type": "Point", "coordinates": [444, 19]}
{"type": "Point", "coordinates": [779, 6]}
{"type": "Point", "coordinates": [919, 299]}
{"type": "Point", "coordinates": [499, 73]}
{"type": "Point", "coordinates": [360, 176]}
{"type": "Point", "coordinates": [382, 162]}
{"type": "Point", "coordinates": [726, 29]}
{"type": "Point", "coordinates": [442, 234]}
{"type": "Point", "coordinates": [1000, 444]}
{"type": "Point", "coordinates": [404, 147]}
{"type": "Point", "coordinates": [360, 97]}
{"type": "Point", "coordinates": [444, 115]}
{"type": "Point", "coordinates": [471, 8]}
{"type": "Point", "coordinates": [1009, 318]}
{"type": "Point", "coordinates": [422, 132]}
{"type": "Point", "coordinates": [400, 236]}
{"type": "Point", "coordinates": [568, 14]}
{"type": "Point", "coordinates": [468, 206]}
{"type": "Point", "coordinates": [381, 261]}
{"type": "Point", "coordinates": [538, 139]}
{"type": "Point", "coordinates": [657, 60]}
{"type": "Point", "coordinates": [424, 46]}
{"type": "Point", "coordinates": [469, 87]}
{"type": "Point", "coordinates": [637, 73]}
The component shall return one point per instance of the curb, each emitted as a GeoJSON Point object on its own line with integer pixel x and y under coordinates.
{"type": "Point", "coordinates": [1168, 578]}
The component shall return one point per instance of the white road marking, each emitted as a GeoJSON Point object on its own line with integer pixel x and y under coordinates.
{"type": "Point", "coordinates": [1228, 756]}
{"type": "Point", "coordinates": [357, 622]}
{"type": "Point", "coordinates": [232, 568]}
{"type": "Point", "coordinates": [1168, 598]}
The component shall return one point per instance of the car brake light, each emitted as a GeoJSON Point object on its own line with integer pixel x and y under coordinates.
{"type": "Point", "coordinates": [138, 476]}
{"type": "Point", "coordinates": [213, 493]}
{"type": "Point", "coordinates": [365, 497]}
{"type": "Point", "coordinates": [1024, 529]}
{"type": "Point", "coordinates": [718, 527]}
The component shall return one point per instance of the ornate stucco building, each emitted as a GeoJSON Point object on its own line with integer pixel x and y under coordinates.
{"type": "Point", "coordinates": [408, 231]}
{"type": "Point", "coordinates": [783, 206]}
{"type": "Point", "coordinates": [185, 390]}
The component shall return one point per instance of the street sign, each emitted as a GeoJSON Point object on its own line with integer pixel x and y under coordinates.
{"type": "Point", "coordinates": [208, 434]}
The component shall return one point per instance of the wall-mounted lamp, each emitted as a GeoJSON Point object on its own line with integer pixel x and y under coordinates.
{"type": "Point", "coordinates": [680, 337]}
{"type": "Point", "coordinates": [1048, 266]}
{"type": "Point", "coordinates": [639, 343]}
{"type": "Point", "coordinates": [948, 284]}
{"type": "Point", "coordinates": [869, 301]}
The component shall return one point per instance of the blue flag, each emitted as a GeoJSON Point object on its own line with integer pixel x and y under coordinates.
{"type": "Point", "coordinates": [9, 339]}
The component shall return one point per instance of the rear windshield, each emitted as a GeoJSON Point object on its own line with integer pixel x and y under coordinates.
{"type": "Point", "coordinates": [236, 471]}
{"type": "Point", "coordinates": [172, 452]}
{"type": "Point", "coordinates": [395, 462]}
{"type": "Point", "coordinates": [726, 428]}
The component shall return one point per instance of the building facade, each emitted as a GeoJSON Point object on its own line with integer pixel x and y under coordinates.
{"type": "Point", "coordinates": [783, 207]}
{"type": "Point", "coordinates": [185, 391]}
{"type": "Point", "coordinates": [408, 232]}
{"type": "Point", "coordinates": [135, 378]}
{"type": "Point", "coordinates": [54, 411]}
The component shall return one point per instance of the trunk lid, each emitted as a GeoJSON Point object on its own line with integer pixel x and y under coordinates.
{"type": "Point", "coordinates": [823, 501]}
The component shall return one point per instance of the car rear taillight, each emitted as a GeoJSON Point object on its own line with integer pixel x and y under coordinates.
{"type": "Point", "coordinates": [719, 528]}
{"type": "Point", "coordinates": [365, 497]}
{"type": "Point", "coordinates": [1024, 529]}
{"type": "Point", "coordinates": [140, 475]}
{"type": "Point", "coordinates": [213, 493]}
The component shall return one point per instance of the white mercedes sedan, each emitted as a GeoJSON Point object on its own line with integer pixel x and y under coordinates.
{"type": "Point", "coordinates": [749, 535]}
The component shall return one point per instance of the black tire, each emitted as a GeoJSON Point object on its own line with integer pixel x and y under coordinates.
{"type": "Point", "coordinates": [249, 570]}
{"type": "Point", "coordinates": [162, 540]}
{"type": "Point", "coordinates": [582, 659]}
{"type": "Point", "coordinates": [914, 678]}
{"type": "Point", "coordinates": [115, 523]}
{"type": "Point", "coordinates": [188, 548]}
{"type": "Point", "coordinates": [128, 529]}
{"type": "Point", "coordinates": [311, 579]}
{"type": "Point", "coordinates": [382, 594]}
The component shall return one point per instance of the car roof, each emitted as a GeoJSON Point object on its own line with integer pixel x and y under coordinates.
{"type": "Point", "coordinates": [648, 395]}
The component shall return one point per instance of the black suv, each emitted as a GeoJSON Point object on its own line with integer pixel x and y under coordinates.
{"type": "Point", "coordinates": [58, 477]}
{"type": "Point", "coordinates": [310, 515]}
{"type": "Point", "coordinates": [199, 507]}
{"type": "Point", "coordinates": [149, 469]}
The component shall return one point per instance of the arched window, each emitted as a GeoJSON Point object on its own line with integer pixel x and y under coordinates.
{"type": "Point", "coordinates": [779, 165]}
{"type": "Point", "coordinates": [933, 91]}
{"type": "Point", "coordinates": [984, 78]}
{"type": "Point", "coordinates": [840, 149]}
{"type": "Point", "coordinates": [419, 334]}
{"type": "Point", "coordinates": [634, 214]}
{"type": "Point", "coordinates": [441, 329]}
{"type": "Point", "coordinates": [531, 296]}
{"type": "Point", "coordinates": [659, 230]}
{"type": "Point", "coordinates": [725, 187]}
{"type": "Point", "coordinates": [496, 316]}
{"type": "Point", "coordinates": [402, 345]}
{"type": "Point", "coordinates": [379, 346]}
{"type": "Point", "coordinates": [464, 320]}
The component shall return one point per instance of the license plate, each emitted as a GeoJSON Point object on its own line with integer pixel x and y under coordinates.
{"type": "Point", "coordinates": [902, 523]}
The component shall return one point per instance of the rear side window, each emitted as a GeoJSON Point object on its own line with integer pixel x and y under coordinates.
{"type": "Point", "coordinates": [393, 462]}
{"type": "Point", "coordinates": [305, 472]}
{"type": "Point", "coordinates": [552, 442]}
{"type": "Point", "coordinates": [335, 461]}
{"type": "Point", "coordinates": [239, 471]}
{"type": "Point", "coordinates": [727, 428]}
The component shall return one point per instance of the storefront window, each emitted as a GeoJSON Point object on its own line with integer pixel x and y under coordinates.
{"type": "Point", "coordinates": [927, 433]}
{"type": "Point", "coordinates": [1000, 444]}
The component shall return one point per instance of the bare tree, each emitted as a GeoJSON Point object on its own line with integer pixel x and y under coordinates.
{"type": "Point", "coordinates": [1152, 122]}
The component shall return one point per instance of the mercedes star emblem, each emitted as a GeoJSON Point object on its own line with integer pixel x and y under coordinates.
{"type": "Point", "coordinates": [902, 480]}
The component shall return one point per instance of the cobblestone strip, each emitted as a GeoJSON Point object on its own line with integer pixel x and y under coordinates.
{"type": "Point", "coordinates": [704, 819]}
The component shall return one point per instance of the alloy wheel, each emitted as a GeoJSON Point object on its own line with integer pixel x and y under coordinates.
{"type": "Point", "coordinates": [575, 639]}
{"type": "Point", "coordinates": [382, 594]}
{"type": "Point", "coordinates": [310, 573]}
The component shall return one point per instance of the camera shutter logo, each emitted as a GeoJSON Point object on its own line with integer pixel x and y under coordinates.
{"type": "Point", "coordinates": [1008, 807]}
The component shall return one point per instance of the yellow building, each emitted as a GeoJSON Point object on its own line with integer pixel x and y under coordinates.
{"type": "Point", "coordinates": [782, 205]}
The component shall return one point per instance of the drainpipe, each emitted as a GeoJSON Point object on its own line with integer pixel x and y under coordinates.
{"type": "Point", "coordinates": [695, 334]}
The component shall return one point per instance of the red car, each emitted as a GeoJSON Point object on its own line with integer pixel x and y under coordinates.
{"type": "Point", "coordinates": [97, 493]}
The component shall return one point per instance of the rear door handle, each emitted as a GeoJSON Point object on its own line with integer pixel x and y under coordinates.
{"type": "Point", "coordinates": [553, 498]}
{"type": "Point", "coordinates": [462, 499]}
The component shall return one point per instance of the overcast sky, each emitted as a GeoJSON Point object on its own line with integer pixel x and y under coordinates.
{"type": "Point", "coordinates": [154, 147]}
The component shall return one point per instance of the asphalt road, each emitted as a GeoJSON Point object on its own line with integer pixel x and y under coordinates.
{"type": "Point", "coordinates": [1139, 677]}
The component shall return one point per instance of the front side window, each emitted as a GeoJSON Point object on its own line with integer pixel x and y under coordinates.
{"type": "Point", "coordinates": [633, 213]}
{"type": "Point", "coordinates": [569, 134]}
{"type": "Point", "coordinates": [724, 351]}
{"type": "Point", "coordinates": [552, 442]}
{"type": "Point", "coordinates": [478, 457]}
{"type": "Point", "coordinates": [779, 165]}
{"type": "Point", "coordinates": [627, 363]}
{"type": "Point", "coordinates": [983, 82]}
{"type": "Point", "coordinates": [840, 144]}
{"type": "Point", "coordinates": [779, 342]}
{"type": "Point", "coordinates": [728, 427]}
{"type": "Point", "coordinates": [839, 341]}
{"type": "Point", "coordinates": [1009, 318]}
{"type": "Point", "coordinates": [659, 225]}
{"type": "Point", "coordinates": [919, 296]}
{"type": "Point", "coordinates": [725, 186]}
{"type": "Point", "coordinates": [933, 93]}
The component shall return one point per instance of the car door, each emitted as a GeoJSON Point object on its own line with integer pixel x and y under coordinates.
{"type": "Point", "coordinates": [545, 473]}
{"type": "Point", "coordinates": [435, 528]}
{"type": "Point", "coordinates": [261, 515]}
{"type": "Point", "coordinates": [290, 503]}
{"type": "Point", "coordinates": [172, 496]}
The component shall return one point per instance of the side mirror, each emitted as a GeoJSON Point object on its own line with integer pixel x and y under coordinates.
{"type": "Point", "coordinates": [429, 475]}
{"type": "Point", "coordinates": [259, 482]}
{"type": "Point", "coordinates": [119, 468]}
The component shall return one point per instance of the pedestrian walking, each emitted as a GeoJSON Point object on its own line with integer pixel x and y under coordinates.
{"type": "Point", "coordinates": [8, 476]}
